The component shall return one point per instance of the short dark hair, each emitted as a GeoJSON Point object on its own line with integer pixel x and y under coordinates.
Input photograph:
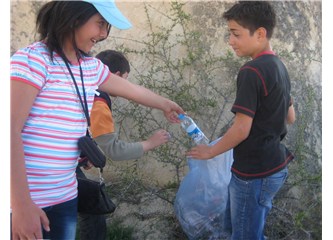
{"type": "Point", "coordinates": [115, 60]}
{"type": "Point", "coordinates": [57, 20]}
{"type": "Point", "coordinates": [253, 15]}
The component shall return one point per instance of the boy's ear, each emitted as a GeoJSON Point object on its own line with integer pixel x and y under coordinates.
{"type": "Point", "coordinates": [261, 33]}
{"type": "Point", "coordinates": [118, 73]}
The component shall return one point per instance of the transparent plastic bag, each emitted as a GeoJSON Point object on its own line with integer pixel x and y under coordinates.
{"type": "Point", "coordinates": [202, 197]}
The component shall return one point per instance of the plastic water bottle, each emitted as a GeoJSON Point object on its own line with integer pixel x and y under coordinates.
{"type": "Point", "coordinates": [193, 130]}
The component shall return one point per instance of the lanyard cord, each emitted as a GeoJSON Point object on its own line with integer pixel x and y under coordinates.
{"type": "Point", "coordinates": [85, 106]}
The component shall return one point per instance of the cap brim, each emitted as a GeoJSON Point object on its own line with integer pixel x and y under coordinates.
{"type": "Point", "coordinates": [110, 12]}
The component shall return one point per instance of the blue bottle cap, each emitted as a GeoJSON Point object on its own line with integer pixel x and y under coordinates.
{"type": "Point", "coordinates": [181, 116]}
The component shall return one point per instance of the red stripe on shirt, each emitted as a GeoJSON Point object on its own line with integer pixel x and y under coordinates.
{"type": "Point", "coordinates": [259, 75]}
{"type": "Point", "coordinates": [264, 173]}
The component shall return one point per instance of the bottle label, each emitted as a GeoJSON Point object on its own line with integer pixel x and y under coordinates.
{"type": "Point", "coordinates": [194, 132]}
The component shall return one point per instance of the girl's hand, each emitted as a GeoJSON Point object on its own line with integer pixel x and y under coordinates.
{"type": "Point", "coordinates": [27, 222]}
{"type": "Point", "coordinates": [171, 111]}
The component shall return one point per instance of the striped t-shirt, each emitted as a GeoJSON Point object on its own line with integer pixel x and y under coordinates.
{"type": "Point", "coordinates": [56, 120]}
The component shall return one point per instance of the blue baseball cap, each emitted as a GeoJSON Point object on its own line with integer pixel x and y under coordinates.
{"type": "Point", "coordinates": [110, 12]}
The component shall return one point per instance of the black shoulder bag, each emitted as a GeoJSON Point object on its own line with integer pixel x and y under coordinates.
{"type": "Point", "coordinates": [92, 195]}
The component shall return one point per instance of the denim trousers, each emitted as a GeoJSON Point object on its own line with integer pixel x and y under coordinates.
{"type": "Point", "coordinates": [63, 218]}
{"type": "Point", "coordinates": [249, 204]}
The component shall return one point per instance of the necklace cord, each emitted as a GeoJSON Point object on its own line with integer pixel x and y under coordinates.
{"type": "Point", "coordinates": [85, 106]}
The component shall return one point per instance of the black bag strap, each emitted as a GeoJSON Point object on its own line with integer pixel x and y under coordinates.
{"type": "Point", "coordinates": [85, 106]}
{"type": "Point", "coordinates": [104, 96]}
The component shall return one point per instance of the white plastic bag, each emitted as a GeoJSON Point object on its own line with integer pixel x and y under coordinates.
{"type": "Point", "coordinates": [202, 197]}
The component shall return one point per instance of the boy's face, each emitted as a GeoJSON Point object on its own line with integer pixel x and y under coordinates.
{"type": "Point", "coordinates": [243, 43]}
{"type": "Point", "coordinates": [125, 75]}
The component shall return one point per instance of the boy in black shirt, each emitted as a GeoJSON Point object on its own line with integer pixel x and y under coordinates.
{"type": "Point", "coordinates": [262, 108]}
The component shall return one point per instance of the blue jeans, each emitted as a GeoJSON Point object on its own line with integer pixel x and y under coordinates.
{"type": "Point", "coordinates": [63, 218]}
{"type": "Point", "coordinates": [249, 204]}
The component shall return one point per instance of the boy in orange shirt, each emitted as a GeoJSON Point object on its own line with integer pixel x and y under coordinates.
{"type": "Point", "coordinates": [103, 131]}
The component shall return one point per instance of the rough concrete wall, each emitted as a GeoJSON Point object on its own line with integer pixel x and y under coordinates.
{"type": "Point", "coordinates": [297, 39]}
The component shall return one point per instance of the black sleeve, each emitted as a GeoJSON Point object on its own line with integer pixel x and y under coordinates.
{"type": "Point", "coordinates": [248, 92]}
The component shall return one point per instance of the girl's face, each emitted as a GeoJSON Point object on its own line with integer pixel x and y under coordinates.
{"type": "Point", "coordinates": [93, 31]}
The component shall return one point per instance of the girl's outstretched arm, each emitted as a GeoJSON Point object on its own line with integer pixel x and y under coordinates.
{"type": "Point", "coordinates": [116, 86]}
